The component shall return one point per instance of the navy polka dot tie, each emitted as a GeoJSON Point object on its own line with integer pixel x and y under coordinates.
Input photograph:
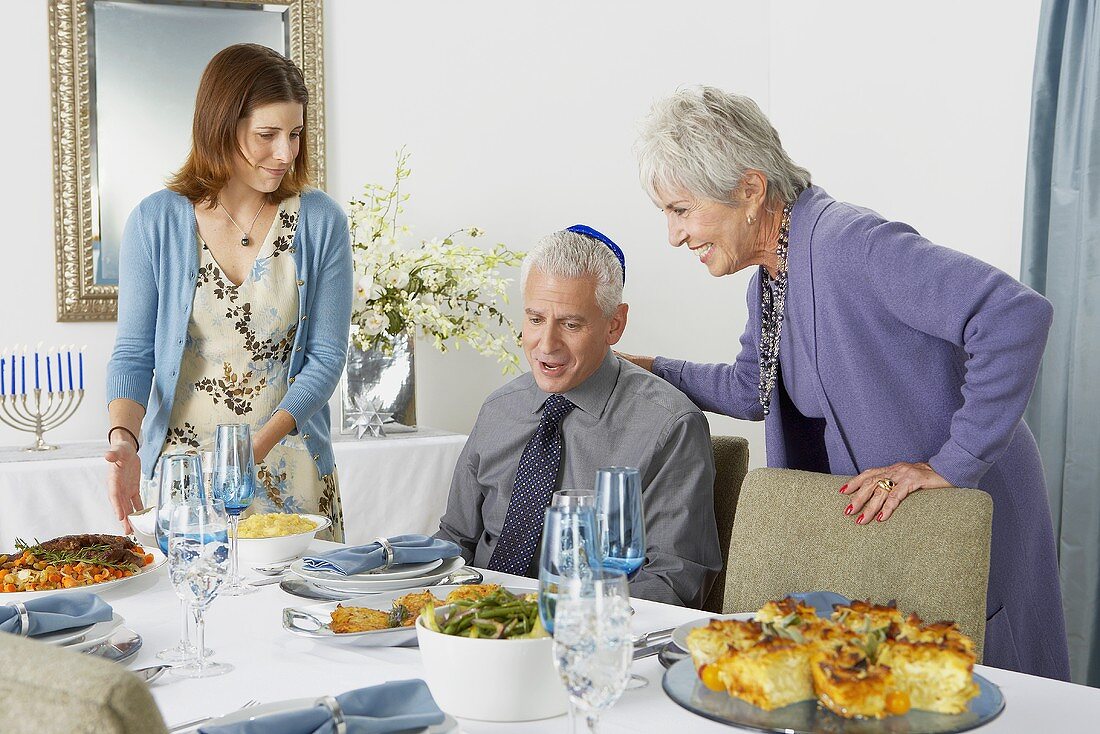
{"type": "Point", "coordinates": [536, 479]}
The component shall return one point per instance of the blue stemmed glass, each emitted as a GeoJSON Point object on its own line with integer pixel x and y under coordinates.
{"type": "Point", "coordinates": [621, 522]}
{"type": "Point", "coordinates": [569, 550]}
{"type": "Point", "coordinates": [180, 483]}
{"type": "Point", "coordinates": [234, 478]}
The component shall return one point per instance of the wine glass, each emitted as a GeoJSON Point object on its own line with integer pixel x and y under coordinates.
{"type": "Point", "coordinates": [235, 485]}
{"type": "Point", "coordinates": [621, 522]}
{"type": "Point", "coordinates": [198, 564]}
{"type": "Point", "coordinates": [592, 642]}
{"type": "Point", "coordinates": [180, 483]}
{"type": "Point", "coordinates": [568, 551]}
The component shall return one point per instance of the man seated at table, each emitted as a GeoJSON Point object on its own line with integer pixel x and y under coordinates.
{"type": "Point", "coordinates": [579, 409]}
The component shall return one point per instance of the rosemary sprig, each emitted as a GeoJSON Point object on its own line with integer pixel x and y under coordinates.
{"type": "Point", "coordinates": [92, 555]}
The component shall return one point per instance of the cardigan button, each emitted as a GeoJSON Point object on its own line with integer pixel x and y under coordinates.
{"type": "Point", "coordinates": [305, 436]}
{"type": "Point", "coordinates": [306, 316]}
{"type": "Point", "coordinates": [316, 457]}
{"type": "Point", "coordinates": [301, 282]}
{"type": "Point", "coordinates": [297, 349]}
{"type": "Point", "coordinates": [291, 380]}
{"type": "Point", "coordinates": [293, 250]}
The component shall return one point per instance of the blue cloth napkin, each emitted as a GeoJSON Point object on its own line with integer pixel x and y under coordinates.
{"type": "Point", "coordinates": [55, 613]}
{"type": "Point", "coordinates": [391, 707]}
{"type": "Point", "coordinates": [822, 601]}
{"type": "Point", "coordinates": [363, 558]}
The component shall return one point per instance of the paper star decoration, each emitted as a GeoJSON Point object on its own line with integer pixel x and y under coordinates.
{"type": "Point", "coordinates": [367, 418]}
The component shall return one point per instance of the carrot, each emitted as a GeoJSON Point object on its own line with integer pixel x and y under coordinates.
{"type": "Point", "coordinates": [68, 583]}
{"type": "Point", "coordinates": [148, 559]}
{"type": "Point", "coordinates": [54, 577]}
{"type": "Point", "coordinates": [10, 587]}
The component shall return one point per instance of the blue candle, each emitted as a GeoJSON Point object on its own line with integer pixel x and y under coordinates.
{"type": "Point", "coordinates": [49, 375]}
{"type": "Point", "coordinates": [70, 356]}
{"type": "Point", "coordinates": [60, 382]}
{"type": "Point", "coordinates": [23, 372]}
{"type": "Point", "coordinates": [13, 371]}
{"type": "Point", "coordinates": [3, 385]}
{"type": "Point", "coordinates": [36, 385]}
{"type": "Point", "coordinates": [82, 368]}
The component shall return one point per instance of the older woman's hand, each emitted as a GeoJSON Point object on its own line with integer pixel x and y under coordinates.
{"type": "Point", "coordinates": [646, 363]}
{"type": "Point", "coordinates": [871, 500]}
{"type": "Point", "coordinates": [124, 481]}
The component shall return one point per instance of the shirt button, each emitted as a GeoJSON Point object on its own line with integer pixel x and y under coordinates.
{"type": "Point", "coordinates": [301, 282]}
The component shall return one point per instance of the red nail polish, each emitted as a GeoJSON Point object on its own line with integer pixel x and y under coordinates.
{"type": "Point", "coordinates": [848, 510]}
{"type": "Point", "coordinates": [879, 518]}
{"type": "Point", "coordinates": [859, 520]}
{"type": "Point", "coordinates": [843, 488]}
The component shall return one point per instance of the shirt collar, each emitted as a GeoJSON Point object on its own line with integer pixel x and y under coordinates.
{"type": "Point", "coordinates": [592, 395]}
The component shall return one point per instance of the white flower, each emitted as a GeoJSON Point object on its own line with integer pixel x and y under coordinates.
{"type": "Point", "coordinates": [373, 323]}
{"type": "Point", "coordinates": [396, 277]}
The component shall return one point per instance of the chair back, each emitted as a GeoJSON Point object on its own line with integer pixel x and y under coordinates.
{"type": "Point", "coordinates": [791, 535]}
{"type": "Point", "coordinates": [731, 461]}
{"type": "Point", "coordinates": [48, 689]}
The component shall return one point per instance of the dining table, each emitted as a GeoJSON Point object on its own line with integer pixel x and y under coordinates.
{"type": "Point", "coordinates": [270, 664]}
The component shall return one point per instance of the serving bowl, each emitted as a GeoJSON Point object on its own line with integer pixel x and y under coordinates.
{"type": "Point", "coordinates": [144, 524]}
{"type": "Point", "coordinates": [258, 551]}
{"type": "Point", "coordinates": [492, 680]}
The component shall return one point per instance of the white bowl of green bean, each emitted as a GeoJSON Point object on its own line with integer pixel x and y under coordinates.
{"type": "Point", "coordinates": [490, 679]}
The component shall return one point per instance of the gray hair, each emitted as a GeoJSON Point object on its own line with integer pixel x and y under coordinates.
{"type": "Point", "coordinates": [568, 254]}
{"type": "Point", "coordinates": [703, 140]}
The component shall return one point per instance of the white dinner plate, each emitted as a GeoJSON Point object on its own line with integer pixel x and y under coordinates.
{"type": "Point", "coordinates": [680, 634]}
{"type": "Point", "coordinates": [449, 725]}
{"type": "Point", "coordinates": [64, 637]}
{"type": "Point", "coordinates": [402, 571]}
{"type": "Point", "coordinates": [100, 632]}
{"type": "Point", "coordinates": [364, 585]}
{"type": "Point", "coordinates": [313, 621]}
{"type": "Point", "coordinates": [158, 561]}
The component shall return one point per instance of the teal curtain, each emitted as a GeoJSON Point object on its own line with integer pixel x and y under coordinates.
{"type": "Point", "coordinates": [1061, 259]}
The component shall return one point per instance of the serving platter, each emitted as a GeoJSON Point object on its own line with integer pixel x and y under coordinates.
{"type": "Point", "coordinates": [313, 621]}
{"type": "Point", "coordinates": [682, 685]}
{"type": "Point", "coordinates": [679, 635]}
{"type": "Point", "coordinates": [158, 560]}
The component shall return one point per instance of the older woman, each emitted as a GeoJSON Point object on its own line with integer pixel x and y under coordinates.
{"type": "Point", "coordinates": [868, 350]}
{"type": "Point", "coordinates": [221, 318]}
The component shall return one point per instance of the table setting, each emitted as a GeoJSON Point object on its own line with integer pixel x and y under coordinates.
{"type": "Point", "coordinates": [398, 634]}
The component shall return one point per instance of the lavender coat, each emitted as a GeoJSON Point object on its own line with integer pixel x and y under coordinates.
{"type": "Point", "coordinates": [913, 352]}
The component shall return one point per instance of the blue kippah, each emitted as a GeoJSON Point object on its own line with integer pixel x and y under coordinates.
{"type": "Point", "coordinates": [597, 235]}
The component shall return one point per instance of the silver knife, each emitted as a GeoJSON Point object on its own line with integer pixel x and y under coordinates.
{"type": "Point", "coordinates": [649, 650]}
{"type": "Point", "coordinates": [645, 639]}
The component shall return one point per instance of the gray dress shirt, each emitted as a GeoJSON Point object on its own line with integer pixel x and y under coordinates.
{"type": "Point", "coordinates": [625, 416]}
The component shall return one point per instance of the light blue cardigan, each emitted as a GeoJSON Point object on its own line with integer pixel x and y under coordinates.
{"type": "Point", "coordinates": [158, 267]}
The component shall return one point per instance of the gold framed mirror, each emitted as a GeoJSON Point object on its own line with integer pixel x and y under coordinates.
{"type": "Point", "coordinates": [123, 76]}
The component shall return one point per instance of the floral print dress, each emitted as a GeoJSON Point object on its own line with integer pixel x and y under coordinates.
{"type": "Point", "coordinates": [234, 370]}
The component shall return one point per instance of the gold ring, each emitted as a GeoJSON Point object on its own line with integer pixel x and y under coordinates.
{"type": "Point", "coordinates": [886, 484]}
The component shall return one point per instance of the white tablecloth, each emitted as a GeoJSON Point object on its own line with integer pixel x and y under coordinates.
{"type": "Point", "coordinates": [273, 665]}
{"type": "Point", "coordinates": [389, 486]}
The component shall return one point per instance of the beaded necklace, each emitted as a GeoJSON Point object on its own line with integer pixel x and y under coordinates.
{"type": "Point", "coordinates": [773, 296]}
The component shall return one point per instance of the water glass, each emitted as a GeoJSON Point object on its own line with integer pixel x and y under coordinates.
{"type": "Point", "coordinates": [234, 478]}
{"type": "Point", "coordinates": [180, 482]}
{"type": "Point", "coordinates": [620, 517]}
{"type": "Point", "coordinates": [574, 498]}
{"type": "Point", "coordinates": [568, 551]}
{"type": "Point", "coordinates": [198, 564]}
{"type": "Point", "coordinates": [592, 642]}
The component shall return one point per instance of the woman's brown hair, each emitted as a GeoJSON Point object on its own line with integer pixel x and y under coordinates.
{"type": "Point", "coordinates": [237, 80]}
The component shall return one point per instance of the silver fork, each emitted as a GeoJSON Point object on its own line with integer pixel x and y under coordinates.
{"type": "Point", "coordinates": [195, 722]}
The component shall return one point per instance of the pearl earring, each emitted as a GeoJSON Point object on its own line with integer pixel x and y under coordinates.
{"type": "Point", "coordinates": [750, 219]}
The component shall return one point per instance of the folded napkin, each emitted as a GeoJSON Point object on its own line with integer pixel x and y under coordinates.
{"type": "Point", "coordinates": [55, 613]}
{"type": "Point", "coordinates": [822, 601]}
{"type": "Point", "coordinates": [391, 707]}
{"type": "Point", "coordinates": [363, 558]}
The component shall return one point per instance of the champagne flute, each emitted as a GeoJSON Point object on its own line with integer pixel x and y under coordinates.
{"type": "Point", "coordinates": [568, 551]}
{"type": "Point", "coordinates": [235, 485]}
{"type": "Point", "coordinates": [198, 563]}
{"type": "Point", "coordinates": [621, 522]}
{"type": "Point", "coordinates": [180, 483]}
{"type": "Point", "coordinates": [592, 642]}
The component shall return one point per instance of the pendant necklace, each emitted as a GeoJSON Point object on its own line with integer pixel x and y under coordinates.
{"type": "Point", "coordinates": [244, 235]}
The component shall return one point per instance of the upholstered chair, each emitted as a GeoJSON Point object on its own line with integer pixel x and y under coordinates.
{"type": "Point", "coordinates": [731, 461]}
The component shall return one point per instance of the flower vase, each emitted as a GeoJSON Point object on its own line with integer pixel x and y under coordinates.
{"type": "Point", "coordinates": [378, 392]}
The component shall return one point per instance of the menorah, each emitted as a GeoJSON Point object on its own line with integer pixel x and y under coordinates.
{"type": "Point", "coordinates": [59, 407]}
{"type": "Point", "coordinates": [49, 410]}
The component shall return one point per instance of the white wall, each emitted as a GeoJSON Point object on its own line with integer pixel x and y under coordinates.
{"type": "Point", "coordinates": [520, 117]}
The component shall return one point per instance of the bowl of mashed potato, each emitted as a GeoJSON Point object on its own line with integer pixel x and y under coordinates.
{"type": "Point", "coordinates": [272, 537]}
